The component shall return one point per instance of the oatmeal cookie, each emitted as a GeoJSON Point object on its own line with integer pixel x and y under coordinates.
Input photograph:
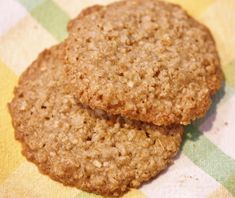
{"type": "Point", "coordinates": [144, 59]}
{"type": "Point", "coordinates": [80, 147]}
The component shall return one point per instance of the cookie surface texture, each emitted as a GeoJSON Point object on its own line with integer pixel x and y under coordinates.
{"type": "Point", "coordinates": [81, 147]}
{"type": "Point", "coordinates": [146, 60]}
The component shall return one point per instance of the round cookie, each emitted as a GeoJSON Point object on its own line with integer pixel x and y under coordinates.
{"type": "Point", "coordinates": [81, 147]}
{"type": "Point", "coordinates": [146, 60]}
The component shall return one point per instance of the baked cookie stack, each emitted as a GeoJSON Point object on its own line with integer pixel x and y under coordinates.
{"type": "Point", "coordinates": [104, 110]}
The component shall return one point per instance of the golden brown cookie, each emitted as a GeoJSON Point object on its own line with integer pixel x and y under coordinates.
{"type": "Point", "coordinates": [144, 59]}
{"type": "Point", "coordinates": [80, 147]}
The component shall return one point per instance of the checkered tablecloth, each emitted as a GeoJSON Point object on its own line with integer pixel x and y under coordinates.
{"type": "Point", "coordinates": [206, 165]}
